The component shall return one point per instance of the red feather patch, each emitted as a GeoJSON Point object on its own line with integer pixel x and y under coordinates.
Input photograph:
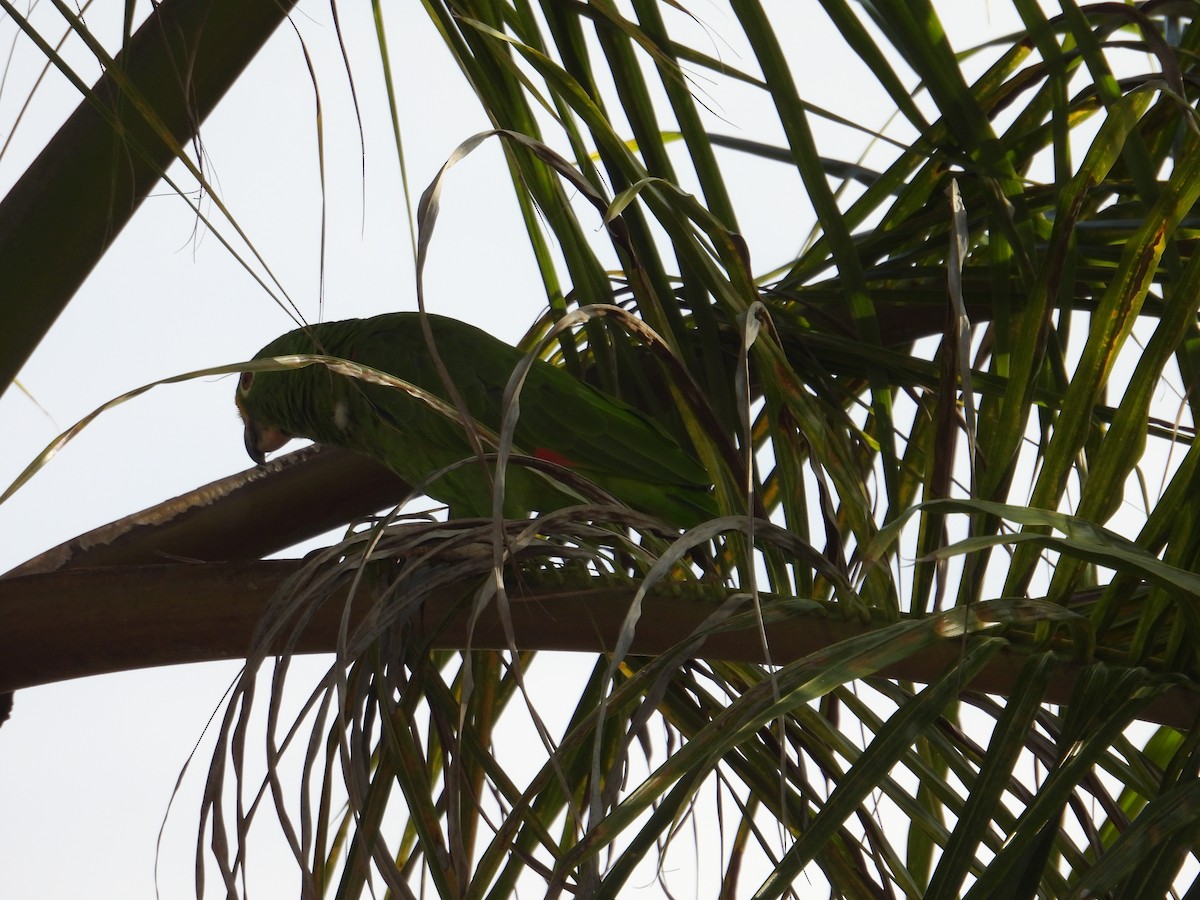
{"type": "Point", "coordinates": [553, 456]}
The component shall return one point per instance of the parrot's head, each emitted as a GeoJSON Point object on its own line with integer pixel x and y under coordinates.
{"type": "Point", "coordinates": [262, 435]}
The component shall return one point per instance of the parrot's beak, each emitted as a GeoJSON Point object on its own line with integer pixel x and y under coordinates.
{"type": "Point", "coordinates": [263, 439]}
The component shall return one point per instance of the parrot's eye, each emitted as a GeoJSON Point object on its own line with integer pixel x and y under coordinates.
{"type": "Point", "coordinates": [244, 381]}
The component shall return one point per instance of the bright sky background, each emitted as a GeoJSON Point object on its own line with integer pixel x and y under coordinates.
{"type": "Point", "coordinates": [87, 767]}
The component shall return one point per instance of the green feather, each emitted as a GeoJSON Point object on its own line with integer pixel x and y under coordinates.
{"type": "Point", "coordinates": [604, 440]}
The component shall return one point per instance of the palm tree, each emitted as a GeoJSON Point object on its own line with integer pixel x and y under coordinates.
{"type": "Point", "coordinates": [950, 436]}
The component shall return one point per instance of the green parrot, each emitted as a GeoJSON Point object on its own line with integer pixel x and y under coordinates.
{"type": "Point", "coordinates": [562, 420]}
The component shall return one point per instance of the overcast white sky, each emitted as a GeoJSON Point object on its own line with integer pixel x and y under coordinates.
{"type": "Point", "coordinates": [87, 767]}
